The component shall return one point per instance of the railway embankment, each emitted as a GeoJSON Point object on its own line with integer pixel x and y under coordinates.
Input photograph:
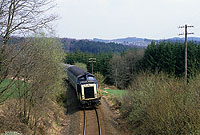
{"type": "Point", "coordinates": [65, 119]}
{"type": "Point", "coordinates": [52, 122]}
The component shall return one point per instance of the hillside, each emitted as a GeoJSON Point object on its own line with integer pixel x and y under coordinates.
{"type": "Point", "coordinates": [178, 39]}
{"type": "Point", "coordinates": [72, 45]}
{"type": "Point", "coordinates": [100, 45]}
{"type": "Point", "coordinates": [130, 41]}
{"type": "Point", "coordinates": [143, 42]}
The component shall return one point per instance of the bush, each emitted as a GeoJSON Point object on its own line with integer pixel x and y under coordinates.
{"type": "Point", "coordinates": [159, 104]}
{"type": "Point", "coordinates": [81, 65]}
{"type": "Point", "coordinates": [100, 79]}
{"type": "Point", "coordinates": [61, 98]}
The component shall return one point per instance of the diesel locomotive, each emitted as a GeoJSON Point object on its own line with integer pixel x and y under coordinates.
{"type": "Point", "coordinates": [85, 85]}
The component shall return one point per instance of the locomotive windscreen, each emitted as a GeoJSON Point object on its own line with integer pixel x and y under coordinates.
{"type": "Point", "coordinates": [89, 92]}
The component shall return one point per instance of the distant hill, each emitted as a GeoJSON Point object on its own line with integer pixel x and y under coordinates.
{"type": "Point", "coordinates": [72, 45]}
{"type": "Point", "coordinates": [144, 42]}
{"type": "Point", "coordinates": [178, 39]}
{"type": "Point", "coordinates": [100, 45]}
{"type": "Point", "coordinates": [130, 41]}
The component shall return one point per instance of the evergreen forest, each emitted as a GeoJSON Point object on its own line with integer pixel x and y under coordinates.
{"type": "Point", "coordinates": [120, 67]}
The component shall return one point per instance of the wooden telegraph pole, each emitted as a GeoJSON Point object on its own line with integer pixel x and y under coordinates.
{"type": "Point", "coordinates": [92, 60]}
{"type": "Point", "coordinates": [186, 33]}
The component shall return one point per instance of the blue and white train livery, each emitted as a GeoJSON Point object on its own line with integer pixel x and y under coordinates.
{"type": "Point", "coordinates": [85, 85]}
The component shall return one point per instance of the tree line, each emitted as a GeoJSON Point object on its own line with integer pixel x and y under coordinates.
{"type": "Point", "coordinates": [101, 65]}
{"type": "Point", "coordinates": [119, 69]}
{"type": "Point", "coordinates": [169, 57]}
{"type": "Point", "coordinates": [87, 46]}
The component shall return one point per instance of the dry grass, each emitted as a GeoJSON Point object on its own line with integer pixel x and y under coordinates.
{"type": "Point", "coordinates": [9, 120]}
{"type": "Point", "coordinates": [50, 122]}
{"type": "Point", "coordinates": [159, 104]}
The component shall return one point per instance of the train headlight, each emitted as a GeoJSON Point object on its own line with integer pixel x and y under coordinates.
{"type": "Point", "coordinates": [83, 97]}
{"type": "Point", "coordinates": [83, 102]}
{"type": "Point", "coordinates": [96, 101]}
{"type": "Point", "coordinates": [95, 95]}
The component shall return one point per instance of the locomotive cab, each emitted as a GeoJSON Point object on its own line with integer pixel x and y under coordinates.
{"type": "Point", "coordinates": [89, 95]}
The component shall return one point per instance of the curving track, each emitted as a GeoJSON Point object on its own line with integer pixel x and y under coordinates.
{"type": "Point", "coordinates": [92, 124]}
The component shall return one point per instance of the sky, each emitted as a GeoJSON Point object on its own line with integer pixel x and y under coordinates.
{"type": "Point", "coordinates": [111, 19]}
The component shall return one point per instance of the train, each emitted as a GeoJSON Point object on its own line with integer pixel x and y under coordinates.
{"type": "Point", "coordinates": [85, 85]}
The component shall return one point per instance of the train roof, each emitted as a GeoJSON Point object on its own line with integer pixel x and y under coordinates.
{"type": "Point", "coordinates": [76, 71]}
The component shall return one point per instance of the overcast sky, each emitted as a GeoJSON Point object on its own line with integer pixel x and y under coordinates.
{"type": "Point", "coordinates": [109, 19]}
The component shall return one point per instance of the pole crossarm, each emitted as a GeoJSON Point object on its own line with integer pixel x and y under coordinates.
{"type": "Point", "coordinates": [92, 60]}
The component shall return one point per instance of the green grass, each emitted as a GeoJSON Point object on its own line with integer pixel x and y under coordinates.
{"type": "Point", "coordinates": [113, 92]}
{"type": "Point", "coordinates": [14, 88]}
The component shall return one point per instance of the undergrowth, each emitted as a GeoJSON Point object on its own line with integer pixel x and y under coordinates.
{"type": "Point", "coordinates": [162, 105]}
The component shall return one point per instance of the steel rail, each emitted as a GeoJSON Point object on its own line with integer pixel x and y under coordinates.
{"type": "Point", "coordinates": [84, 128]}
{"type": "Point", "coordinates": [98, 121]}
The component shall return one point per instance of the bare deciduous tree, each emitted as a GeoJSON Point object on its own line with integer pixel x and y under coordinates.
{"type": "Point", "coordinates": [116, 64]}
{"type": "Point", "coordinates": [125, 67]}
{"type": "Point", "coordinates": [22, 16]}
{"type": "Point", "coordinates": [30, 68]}
{"type": "Point", "coordinates": [36, 75]}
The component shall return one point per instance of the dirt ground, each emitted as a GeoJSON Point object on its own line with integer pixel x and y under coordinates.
{"type": "Point", "coordinates": [111, 121]}
{"type": "Point", "coordinates": [110, 124]}
{"type": "Point", "coordinates": [73, 114]}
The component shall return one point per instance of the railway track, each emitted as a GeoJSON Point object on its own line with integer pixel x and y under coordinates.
{"type": "Point", "coordinates": [92, 124]}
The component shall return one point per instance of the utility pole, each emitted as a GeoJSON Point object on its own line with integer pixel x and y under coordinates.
{"type": "Point", "coordinates": [186, 33]}
{"type": "Point", "coordinates": [92, 60]}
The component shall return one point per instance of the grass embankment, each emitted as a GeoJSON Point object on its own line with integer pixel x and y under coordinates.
{"type": "Point", "coordinates": [114, 95]}
{"type": "Point", "coordinates": [113, 92]}
{"type": "Point", "coordinates": [162, 105]}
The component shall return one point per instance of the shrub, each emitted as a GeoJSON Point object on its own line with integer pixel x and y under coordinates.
{"type": "Point", "coordinates": [81, 65]}
{"type": "Point", "coordinates": [61, 98]}
{"type": "Point", "coordinates": [160, 104]}
{"type": "Point", "coordinates": [100, 79]}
